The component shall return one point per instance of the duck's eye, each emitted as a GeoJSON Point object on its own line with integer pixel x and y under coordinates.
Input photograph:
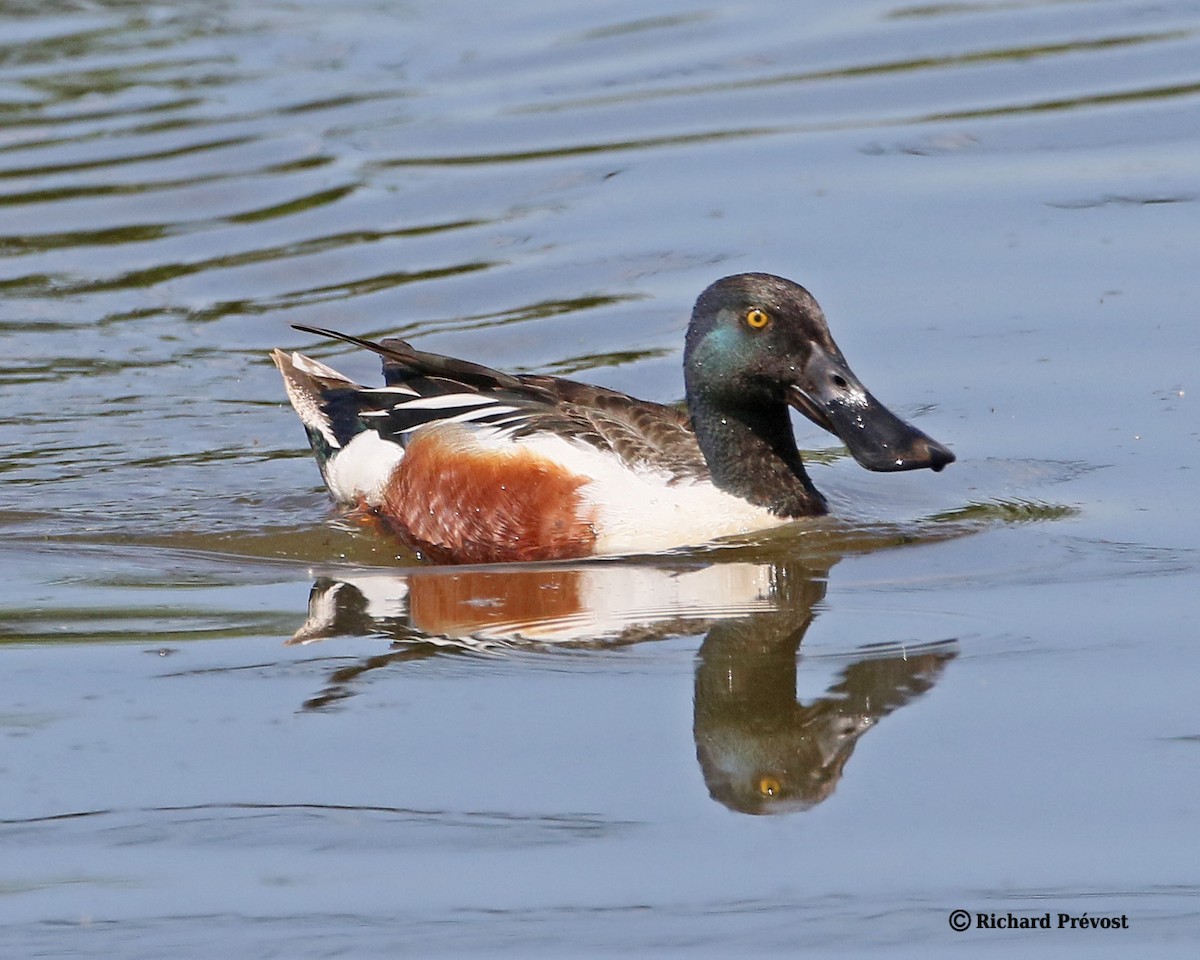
{"type": "Point", "coordinates": [769, 786]}
{"type": "Point", "coordinates": [756, 319]}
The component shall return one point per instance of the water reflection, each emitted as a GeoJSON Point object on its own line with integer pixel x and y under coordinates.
{"type": "Point", "coordinates": [760, 748]}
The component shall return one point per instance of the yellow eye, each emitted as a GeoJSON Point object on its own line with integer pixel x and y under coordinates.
{"type": "Point", "coordinates": [756, 319]}
{"type": "Point", "coordinates": [768, 786]}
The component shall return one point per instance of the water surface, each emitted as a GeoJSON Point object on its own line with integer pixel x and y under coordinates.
{"type": "Point", "coordinates": [234, 719]}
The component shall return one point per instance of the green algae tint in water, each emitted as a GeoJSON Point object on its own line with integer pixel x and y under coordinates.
{"type": "Point", "coordinates": [236, 720]}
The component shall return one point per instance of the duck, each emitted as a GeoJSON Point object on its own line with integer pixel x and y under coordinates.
{"type": "Point", "coordinates": [467, 464]}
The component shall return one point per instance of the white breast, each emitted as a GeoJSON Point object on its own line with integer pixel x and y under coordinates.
{"type": "Point", "coordinates": [640, 511]}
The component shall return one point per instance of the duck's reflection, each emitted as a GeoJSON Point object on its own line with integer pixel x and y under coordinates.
{"type": "Point", "coordinates": [761, 749]}
{"type": "Point", "coordinates": [764, 751]}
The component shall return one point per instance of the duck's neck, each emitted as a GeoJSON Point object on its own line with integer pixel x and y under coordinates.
{"type": "Point", "coordinates": [751, 453]}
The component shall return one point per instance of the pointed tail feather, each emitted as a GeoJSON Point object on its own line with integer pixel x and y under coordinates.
{"type": "Point", "coordinates": [403, 362]}
{"type": "Point", "coordinates": [307, 382]}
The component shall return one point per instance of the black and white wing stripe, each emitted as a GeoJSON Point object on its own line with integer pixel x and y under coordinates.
{"type": "Point", "coordinates": [506, 415]}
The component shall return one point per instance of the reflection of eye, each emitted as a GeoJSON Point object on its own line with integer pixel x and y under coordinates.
{"type": "Point", "coordinates": [756, 319]}
{"type": "Point", "coordinates": [769, 786]}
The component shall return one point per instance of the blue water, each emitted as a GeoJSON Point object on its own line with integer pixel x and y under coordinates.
{"type": "Point", "coordinates": [235, 721]}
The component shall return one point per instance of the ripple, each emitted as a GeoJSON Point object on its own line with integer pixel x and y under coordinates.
{"type": "Point", "coordinates": [181, 184]}
{"type": "Point", "coordinates": [546, 187]}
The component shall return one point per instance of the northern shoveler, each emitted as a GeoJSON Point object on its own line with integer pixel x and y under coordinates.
{"type": "Point", "coordinates": [468, 464]}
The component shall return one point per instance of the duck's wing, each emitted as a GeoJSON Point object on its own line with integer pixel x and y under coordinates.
{"type": "Point", "coordinates": [424, 388]}
{"type": "Point", "coordinates": [639, 432]}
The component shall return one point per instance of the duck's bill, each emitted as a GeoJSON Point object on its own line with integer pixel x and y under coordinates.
{"type": "Point", "coordinates": [833, 398]}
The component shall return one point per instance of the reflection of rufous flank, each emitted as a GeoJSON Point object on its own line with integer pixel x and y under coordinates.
{"type": "Point", "coordinates": [468, 602]}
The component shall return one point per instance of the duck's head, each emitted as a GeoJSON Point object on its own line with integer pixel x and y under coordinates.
{"type": "Point", "coordinates": [757, 342]}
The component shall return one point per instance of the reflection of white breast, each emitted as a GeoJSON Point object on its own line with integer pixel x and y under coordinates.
{"type": "Point", "coordinates": [618, 597]}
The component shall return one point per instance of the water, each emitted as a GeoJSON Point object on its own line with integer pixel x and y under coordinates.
{"type": "Point", "coordinates": [236, 721]}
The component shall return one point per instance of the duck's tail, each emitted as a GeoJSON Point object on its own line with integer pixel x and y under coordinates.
{"type": "Point", "coordinates": [334, 411]}
{"type": "Point", "coordinates": [309, 384]}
